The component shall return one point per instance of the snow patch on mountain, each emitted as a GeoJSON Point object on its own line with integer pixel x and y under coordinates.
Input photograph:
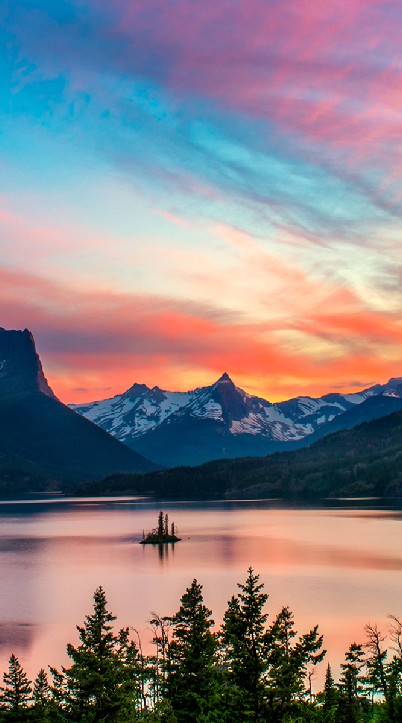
{"type": "Point", "coordinates": [140, 410]}
{"type": "Point", "coordinates": [210, 410]}
{"type": "Point", "coordinates": [135, 412]}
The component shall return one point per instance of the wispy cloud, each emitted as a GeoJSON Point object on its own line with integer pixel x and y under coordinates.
{"type": "Point", "coordinates": [199, 186]}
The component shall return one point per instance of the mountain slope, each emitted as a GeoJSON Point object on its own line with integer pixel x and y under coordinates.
{"type": "Point", "coordinates": [375, 407]}
{"type": "Point", "coordinates": [223, 421]}
{"type": "Point", "coordinates": [365, 460]}
{"type": "Point", "coordinates": [41, 436]}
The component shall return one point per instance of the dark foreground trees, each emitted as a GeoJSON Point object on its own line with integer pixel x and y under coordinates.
{"type": "Point", "coordinates": [103, 682]}
{"type": "Point", "coordinates": [192, 660]}
{"type": "Point", "coordinates": [17, 688]}
{"type": "Point", "coordinates": [266, 668]}
{"type": "Point", "coordinates": [249, 670]}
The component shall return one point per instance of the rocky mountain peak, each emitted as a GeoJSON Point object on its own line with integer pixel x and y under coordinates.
{"type": "Point", "coordinates": [136, 390]}
{"type": "Point", "coordinates": [230, 398]}
{"type": "Point", "coordinates": [224, 378]}
{"type": "Point", "coordinates": [20, 367]}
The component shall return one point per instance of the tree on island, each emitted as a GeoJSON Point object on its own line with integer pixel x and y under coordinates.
{"type": "Point", "coordinates": [160, 534]}
{"type": "Point", "coordinates": [161, 524]}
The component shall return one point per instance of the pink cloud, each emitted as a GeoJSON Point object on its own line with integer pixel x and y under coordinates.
{"type": "Point", "coordinates": [321, 80]}
{"type": "Point", "coordinates": [309, 65]}
{"type": "Point", "coordinates": [89, 341]}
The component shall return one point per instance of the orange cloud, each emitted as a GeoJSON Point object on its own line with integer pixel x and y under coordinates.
{"type": "Point", "coordinates": [98, 344]}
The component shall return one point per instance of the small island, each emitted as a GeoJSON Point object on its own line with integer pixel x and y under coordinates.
{"type": "Point", "coordinates": [161, 534]}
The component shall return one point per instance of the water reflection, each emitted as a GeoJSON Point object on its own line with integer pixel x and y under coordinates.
{"type": "Point", "coordinates": [165, 550]}
{"type": "Point", "coordinates": [337, 567]}
{"type": "Point", "coordinates": [18, 636]}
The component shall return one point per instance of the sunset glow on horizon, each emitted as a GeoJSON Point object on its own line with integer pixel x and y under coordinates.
{"type": "Point", "coordinates": [192, 188]}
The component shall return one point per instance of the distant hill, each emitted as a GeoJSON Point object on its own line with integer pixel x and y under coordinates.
{"type": "Point", "coordinates": [41, 440]}
{"type": "Point", "coordinates": [224, 421]}
{"type": "Point", "coordinates": [363, 461]}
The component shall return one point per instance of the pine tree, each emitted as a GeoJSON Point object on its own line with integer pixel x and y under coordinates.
{"type": "Point", "coordinates": [329, 695]}
{"type": "Point", "coordinates": [160, 524]}
{"type": "Point", "coordinates": [41, 689]}
{"type": "Point", "coordinates": [101, 682]}
{"type": "Point", "coordinates": [133, 676]}
{"type": "Point", "coordinates": [17, 691]}
{"type": "Point", "coordinates": [191, 656]}
{"type": "Point", "coordinates": [45, 709]}
{"type": "Point", "coordinates": [243, 641]}
{"type": "Point", "coordinates": [287, 663]}
{"type": "Point", "coordinates": [351, 683]}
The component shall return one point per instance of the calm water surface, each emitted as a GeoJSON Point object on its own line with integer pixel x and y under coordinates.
{"type": "Point", "coordinates": [340, 568]}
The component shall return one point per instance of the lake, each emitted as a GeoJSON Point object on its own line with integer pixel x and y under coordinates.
{"type": "Point", "coordinates": [340, 567]}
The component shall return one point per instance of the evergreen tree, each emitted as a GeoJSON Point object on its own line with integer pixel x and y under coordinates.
{"type": "Point", "coordinates": [243, 641]}
{"type": "Point", "coordinates": [17, 691]}
{"type": "Point", "coordinates": [45, 709]}
{"type": "Point", "coordinates": [160, 524]}
{"type": "Point", "coordinates": [134, 675]}
{"type": "Point", "coordinates": [329, 697]}
{"type": "Point", "coordinates": [191, 657]}
{"type": "Point", "coordinates": [58, 688]}
{"type": "Point", "coordinates": [287, 663]}
{"type": "Point", "coordinates": [352, 684]}
{"type": "Point", "coordinates": [100, 684]}
{"type": "Point", "coordinates": [41, 689]}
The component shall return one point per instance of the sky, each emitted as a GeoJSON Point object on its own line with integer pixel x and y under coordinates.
{"type": "Point", "coordinates": [189, 187]}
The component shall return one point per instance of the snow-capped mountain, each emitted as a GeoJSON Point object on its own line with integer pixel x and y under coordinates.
{"type": "Point", "coordinates": [223, 420]}
{"type": "Point", "coordinates": [136, 412]}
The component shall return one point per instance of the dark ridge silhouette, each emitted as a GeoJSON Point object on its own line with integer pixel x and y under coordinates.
{"type": "Point", "coordinates": [42, 438]}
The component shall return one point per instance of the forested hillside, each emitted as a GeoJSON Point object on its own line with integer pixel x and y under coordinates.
{"type": "Point", "coordinates": [366, 460]}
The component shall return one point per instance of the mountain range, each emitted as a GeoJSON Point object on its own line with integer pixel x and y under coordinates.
{"type": "Point", "coordinates": [365, 461]}
{"type": "Point", "coordinates": [224, 421]}
{"type": "Point", "coordinates": [43, 440]}
{"type": "Point", "coordinates": [44, 444]}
